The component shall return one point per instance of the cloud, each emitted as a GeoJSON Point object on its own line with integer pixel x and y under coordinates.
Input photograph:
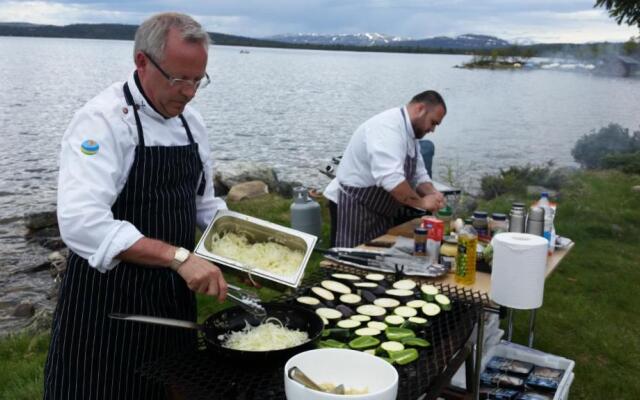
{"type": "Point", "coordinates": [539, 20]}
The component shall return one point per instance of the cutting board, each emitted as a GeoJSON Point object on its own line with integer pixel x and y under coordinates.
{"type": "Point", "coordinates": [405, 229]}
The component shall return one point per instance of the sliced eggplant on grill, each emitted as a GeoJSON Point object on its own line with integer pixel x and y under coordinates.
{"type": "Point", "coordinates": [351, 299]}
{"type": "Point", "coordinates": [386, 302]}
{"type": "Point", "coordinates": [309, 301]}
{"type": "Point", "coordinates": [326, 296]}
{"type": "Point", "coordinates": [406, 284]}
{"type": "Point", "coordinates": [335, 286]}
{"type": "Point", "coordinates": [371, 310]}
{"type": "Point", "coordinates": [368, 296]}
{"type": "Point", "coordinates": [331, 314]}
{"type": "Point", "coordinates": [375, 277]}
{"type": "Point", "coordinates": [381, 326]}
{"type": "Point", "coordinates": [345, 310]}
{"type": "Point", "coordinates": [346, 277]}
{"type": "Point", "coordinates": [365, 285]}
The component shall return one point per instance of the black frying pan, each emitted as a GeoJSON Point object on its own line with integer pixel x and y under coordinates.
{"type": "Point", "coordinates": [235, 319]}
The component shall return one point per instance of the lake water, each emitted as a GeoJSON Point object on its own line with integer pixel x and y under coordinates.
{"type": "Point", "coordinates": [291, 109]}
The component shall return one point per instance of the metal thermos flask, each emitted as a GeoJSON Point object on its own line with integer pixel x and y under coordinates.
{"type": "Point", "coordinates": [535, 221]}
{"type": "Point", "coordinates": [517, 218]}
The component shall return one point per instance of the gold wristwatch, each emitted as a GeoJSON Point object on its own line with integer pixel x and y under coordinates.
{"type": "Point", "coordinates": [179, 258]}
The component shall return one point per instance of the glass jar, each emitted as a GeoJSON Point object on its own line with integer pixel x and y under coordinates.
{"type": "Point", "coordinates": [481, 225]}
{"type": "Point", "coordinates": [498, 224]}
{"type": "Point", "coordinates": [420, 241]}
{"type": "Point", "coordinates": [448, 253]}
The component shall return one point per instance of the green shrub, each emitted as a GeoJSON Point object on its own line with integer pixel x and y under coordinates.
{"type": "Point", "coordinates": [590, 150]}
{"type": "Point", "coordinates": [628, 163]}
{"type": "Point", "coordinates": [516, 179]}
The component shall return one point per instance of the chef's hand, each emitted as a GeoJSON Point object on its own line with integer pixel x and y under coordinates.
{"type": "Point", "coordinates": [203, 277]}
{"type": "Point", "coordinates": [433, 202]}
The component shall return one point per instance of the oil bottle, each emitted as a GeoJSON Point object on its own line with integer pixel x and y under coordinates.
{"type": "Point", "coordinates": [466, 257]}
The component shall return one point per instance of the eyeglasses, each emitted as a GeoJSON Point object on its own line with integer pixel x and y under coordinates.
{"type": "Point", "coordinates": [197, 84]}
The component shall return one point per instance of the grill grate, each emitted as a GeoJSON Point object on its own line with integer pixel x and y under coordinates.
{"type": "Point", "coordinates": [199, 375]}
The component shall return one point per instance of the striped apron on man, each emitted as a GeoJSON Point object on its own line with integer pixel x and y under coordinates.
{"type": "Point", "coordinates": [365, 213]}
{"type": "Point", "coordinates": [92, 356]}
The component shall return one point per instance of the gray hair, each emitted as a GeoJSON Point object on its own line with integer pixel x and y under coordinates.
{"type": "Point", "coordinates": [151, 36]}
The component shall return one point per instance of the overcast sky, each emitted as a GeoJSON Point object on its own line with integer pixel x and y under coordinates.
{"type": "Point", "coordinates": [540, 21]}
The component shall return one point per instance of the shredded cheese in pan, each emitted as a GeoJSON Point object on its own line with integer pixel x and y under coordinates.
{"type": "Point", "coordinates": [269, 256]}
{"type": "Point", "coordinates": [265, 337]}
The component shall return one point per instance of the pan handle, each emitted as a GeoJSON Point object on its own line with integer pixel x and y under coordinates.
{"type": "Point", "coordinates": [178, 323]}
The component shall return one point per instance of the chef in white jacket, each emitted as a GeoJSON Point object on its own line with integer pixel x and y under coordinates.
{"type": "Point", "coordinates": [381, 170]}
{"type": "Point", "coordinates": [135, 180]}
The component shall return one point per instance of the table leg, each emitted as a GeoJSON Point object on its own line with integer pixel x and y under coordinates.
{"type": "Point", "coordinates": [532, 323]}
{"type": "Point", "coordinates": [479, 345]}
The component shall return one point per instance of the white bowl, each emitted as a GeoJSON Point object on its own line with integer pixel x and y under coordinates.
{"type": "Point", "coordinates": [354, 369]}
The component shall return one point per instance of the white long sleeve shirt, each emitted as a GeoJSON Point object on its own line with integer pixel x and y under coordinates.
{"type": "Point", "coordinates": [376, 154]}
{"type": "Point", "coordinates": [88, 185]}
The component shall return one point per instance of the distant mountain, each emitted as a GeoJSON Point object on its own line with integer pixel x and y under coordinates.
{"type": "Point", "coordinates": [468, 41]}
{"type": "Point", "coordinates": [358, 39]}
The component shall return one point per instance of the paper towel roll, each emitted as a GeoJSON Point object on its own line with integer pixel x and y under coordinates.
{"type": "Point", "coordinates": [518, 271]}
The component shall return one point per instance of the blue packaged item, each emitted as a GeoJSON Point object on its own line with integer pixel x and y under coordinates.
{"type": "Point", "coordinates": [533, 396]}
{"type": "Point", "coordinates": [501, 380]}
{"type": "Point", "coordinates": [547, 379]}
{"type": "Point", "coordinates": [498, 393]}
{"type": "Point", "coordinates": [510, 366]}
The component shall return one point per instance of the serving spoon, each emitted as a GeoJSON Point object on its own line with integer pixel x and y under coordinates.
{"type": "Point", "coordinates": [297, 375]}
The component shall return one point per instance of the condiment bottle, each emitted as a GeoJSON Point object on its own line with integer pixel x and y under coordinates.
{"type": "Point", "coordinates": [481, 225]}
{"type": "Point", "coordinates": [448, 252]}
{"type": "Point", "coordinates": [498, 224]}
{"type": "Point", "coordinates": [466, 257]}
{"type": "Point", "coordinates": [445, 215]}
{"type": "Point", "coordinates": [420, 241]}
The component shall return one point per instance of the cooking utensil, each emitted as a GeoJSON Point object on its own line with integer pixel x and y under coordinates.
{"type": "Point", "coordinates": [216, 328]}
{"type": "Point", "coordinates": [250, 302]}
{"type": "Point", "coordinates": [297, 375]}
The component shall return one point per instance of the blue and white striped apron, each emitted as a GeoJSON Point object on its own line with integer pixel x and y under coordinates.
{"type": "Point", "coordinates": [92, 356]}
{"type": "Point", "coordinates": [364, 213]}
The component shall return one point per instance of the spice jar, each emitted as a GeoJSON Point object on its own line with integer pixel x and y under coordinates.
{"type": "Point", "coordinates": [498, 224]}
{"type": "Point", "coordinates": [481, 225]}
{"type": "Point", "coordinates": [448, 252]}
{"type": "Point", "coordinates": [420, 241]}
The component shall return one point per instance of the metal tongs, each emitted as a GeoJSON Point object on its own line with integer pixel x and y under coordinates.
{"type": "Point", "coordinates": [248, 301]}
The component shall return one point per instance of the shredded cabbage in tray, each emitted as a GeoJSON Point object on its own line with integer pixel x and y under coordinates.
{"type": "Point", "coordinates": [264, 337]}
{"type": "Point", "coordinates": [273, 257]}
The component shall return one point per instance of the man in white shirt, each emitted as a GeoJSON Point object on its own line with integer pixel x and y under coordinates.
{"type": "Point", "coordinates": [382, 169]}
{"type": "Point", "coordinates": [135, 180]}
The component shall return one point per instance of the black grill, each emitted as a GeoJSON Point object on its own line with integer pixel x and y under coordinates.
{"type": "Point", "coordinates": [199, 375]}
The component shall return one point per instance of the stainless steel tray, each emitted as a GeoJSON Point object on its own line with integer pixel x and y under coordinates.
{"type": "Point", "coordinates": [258, 231]}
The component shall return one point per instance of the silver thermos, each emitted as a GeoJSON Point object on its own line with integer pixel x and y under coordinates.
{"type": "Point", "coordinates": [535, 221]}
{"type": "Point", "coordinates": [305, 213]}
{"type": "Point", "coordinates": [517, 218]}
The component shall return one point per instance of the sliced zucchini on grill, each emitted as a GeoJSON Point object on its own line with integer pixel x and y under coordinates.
{"type": "Point", "coordinates": [367, 332]}
{"type": "Point", "coordinates": [360, 317]}
{"type": "Point", "coordinates": [394, 320]}
{"type": "Point", "coordinates": [405, 311]}
{"type": "Point", "coordinates": [443, 301]}
{"type": "Point", "coordinates": [381, 326]}
{"type": "Point", "coordinates": [386, 302]}
{"type": "Point", "coordinates": [365, 285]}
{"type": "Point", "coordinates": [345, 277]}
{"type": "Point", "coordinates": [348, 324]}
{"type": "Point", "coordinates": [431, 309]}
{"type": "Point", "coordinates": [400, 293]}
{"type": "Point", "coordinates": [415, 323]}
{"type": "Point", "coordinates": [429, 292]}
{"type": "Point", "coordinates": [391, 347]}
{"type": "Point", "coordinates": [375, 277]}
{"type": "Point", "coordinates": [336, 287]}
{"type": "Point", "coordinates": [323, 293]}
{"type": "Point", "coordinates": [416, 303]}
{"type": "Point", "coordinates": [407, 284]}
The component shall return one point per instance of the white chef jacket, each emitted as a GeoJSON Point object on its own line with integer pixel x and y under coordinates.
{"type": "Point", "coordinates": [376, 154]}
{"type": "Point", "coordinates": [88, 185]}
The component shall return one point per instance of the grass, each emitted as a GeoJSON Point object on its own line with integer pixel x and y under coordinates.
{"type": "Point", "coordinates": [590, 307]}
